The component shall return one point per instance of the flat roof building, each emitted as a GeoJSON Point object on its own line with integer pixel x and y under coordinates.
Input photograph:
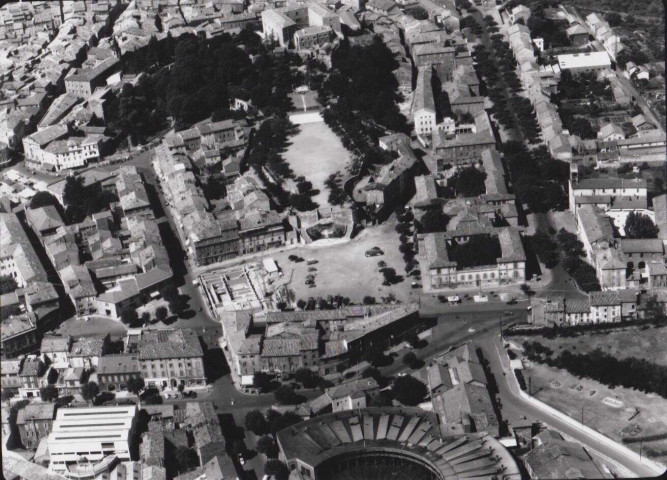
{"type": "Point", "coordinates": [91, 432]}
{"type": "Point", "coordinates": [584, 62]}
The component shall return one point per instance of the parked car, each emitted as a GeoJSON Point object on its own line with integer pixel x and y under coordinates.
{"type": "Point", "coordinates": [311, 261]}
{"type": "Point", "coordinates": [512, 302]}
{"type": "Point", "coordinates": [241, 460]}
{"type": "Point", "coordinates": [374, 252]}
{"type": "Point", "coordinates": [453, 299]}
{"type": "Point", "coordinates": [481, 298]}
{"type": "Point", "coordinates": [310, 281]}
{"type": "Point", "coordinates": [312, 269]}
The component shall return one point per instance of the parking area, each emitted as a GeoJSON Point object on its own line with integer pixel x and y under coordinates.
{"type": "Point", "coordinates": [345, 270]}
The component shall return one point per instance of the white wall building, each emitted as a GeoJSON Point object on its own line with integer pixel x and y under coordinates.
{"type": "Point", "coordinates": [92, 432]}
{"type": "Point", "coordinates": [584, 62]}
{"type": "Point", "coordinates": [423, 104]}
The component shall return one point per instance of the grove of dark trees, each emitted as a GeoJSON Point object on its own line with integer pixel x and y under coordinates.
{"type": "Point", "coordinates": [539, 180]}
{"type": "Point", "coordinates": [636, 373]}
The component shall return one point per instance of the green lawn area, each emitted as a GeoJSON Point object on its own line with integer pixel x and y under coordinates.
{"type": "Point", "coordinates": [648, 344]}
{"type": "Point", "coordinates": [601, 409]}
{"type": "Point", "coordinates": [316, 152]}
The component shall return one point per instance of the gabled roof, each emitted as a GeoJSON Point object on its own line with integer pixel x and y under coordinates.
{"type": "Point", "coordinates": [163, 344]}
{"type": "Point", "coordinates": [54, 344]}
{"type": "Point", "coordinates": [44, 218]}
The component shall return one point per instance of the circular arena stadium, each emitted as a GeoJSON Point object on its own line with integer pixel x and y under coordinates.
{"type": "Point", "coordinates": [390, 442]}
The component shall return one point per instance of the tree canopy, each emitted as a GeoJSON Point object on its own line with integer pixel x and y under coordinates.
{"type": "Point", "coordinates": [256, 423]}
{"type": "Point", "coordinates": [267, 446]}
{"type": "Point", "coordinates": [89, 391]}
{"type": "Point", "coordinates": [136, 385]}
{"type": "Point", "coordinates": [285, 395]}
{"type": "Point", "coordinates": [7, 284]}
{"type": "Point", "coordinates": [434, 220]}
{"type": "Point", "coordinates": [479, 250]}
{"type": "Point", "coordinates": [81, 200]}
{"type": "Point", "coordinates": [539, 180]}
{"type": "Point", "coordinates": [639, 225]}
{"type": "Point", "coordinates": [408, 390]}
{"type": "Point", "coordinates": [277, 469]}
{"type": "Point", "coordinates": [43, 199]}
{"type": "Point", "coordinates": [467, 182]}
{"type": "Point", "coordinates": [48, 393]}
{"type": "Point", "coordinates": [363, 82]}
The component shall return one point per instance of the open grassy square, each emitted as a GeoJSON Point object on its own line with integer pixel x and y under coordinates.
{"type": "Point", "coordinates": [316, 152]}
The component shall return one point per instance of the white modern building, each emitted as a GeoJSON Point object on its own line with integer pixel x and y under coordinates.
{"type": "Point", "coordinates": [87, 435]}
{"type": "Point", "coordinates": [584, 62]}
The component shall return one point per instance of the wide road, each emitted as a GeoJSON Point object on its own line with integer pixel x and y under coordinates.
{"type": "Point", "coordinates": [455, 328]}
{"type": "Point", "coordinates": [514, 408]}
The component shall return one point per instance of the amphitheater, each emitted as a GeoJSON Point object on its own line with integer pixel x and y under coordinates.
{"type": "Point", "coordinates": [390, 442]}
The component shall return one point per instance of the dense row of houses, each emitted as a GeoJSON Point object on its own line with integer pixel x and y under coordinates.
{"type": "Point", "coordinates": [113, 260]}
{"type": "Point", "coordinates": [210, 234]}
{"type": "Point", "coordinates": [163, 358]}
{"type": "Point", "coordinates": [601, 207]}
{"type": "Point", "coordinates": [43, 51]}
{"type": "Point", "coordinates": [304, 25]}
{"type": "Point", "coordinates": [324, 341]}
{"type": "Point", "coordinates": [601, 307]}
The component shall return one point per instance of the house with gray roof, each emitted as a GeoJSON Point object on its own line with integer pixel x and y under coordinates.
{"type": "Point", "coordinates": [441, 271]}
{"type": "Point", "coordinates": [169, 358]}
{"type": "Point", "coordinates": [34, 422]}
{"type": "Point", "coordinates": [44, 220]}
{"type": "Point", "coordinates": [350, 395]}
{"type": "Point", "coordinates": [86, 352]}
{"type": "Point", "coordinates": [55, 350]}
{"type": "Point", "coordinates": [555, 458]}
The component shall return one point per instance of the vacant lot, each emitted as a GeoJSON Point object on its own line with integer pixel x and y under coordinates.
{"type": "Point", "coordinates": [344, 269]}
{"type": "Point", "coordinates": [648, 344]}
{"type": "Point", "coordinates": [619, 413]}
{"type": "Point", "coordinates": [316, 152]}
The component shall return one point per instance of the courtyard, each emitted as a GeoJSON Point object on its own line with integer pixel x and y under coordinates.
{"type": "Point", "coordinates": [315, 153]}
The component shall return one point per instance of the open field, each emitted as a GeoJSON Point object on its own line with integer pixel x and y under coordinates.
{"type": "Point", "coordinates": [344, 269]}
{"type": "Point", "coordinates": [619, 413]}
{"type": "Point", "coordinates": [648, 344]}
{"type": "Point", "coordinates": [316, 152]}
